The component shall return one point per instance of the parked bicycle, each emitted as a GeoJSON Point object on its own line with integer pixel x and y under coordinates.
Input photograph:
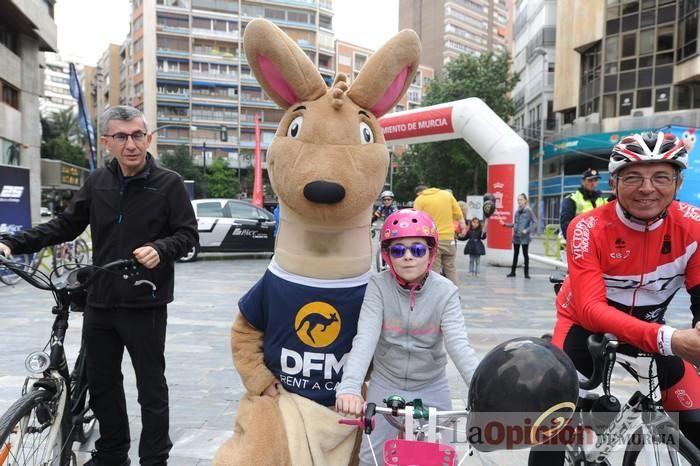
{"type": "Point", "coordinates": [54, 409]}
{"type": "Point", "coordinates": [418, 426]}
{"type": "Point", "coordinates": [56, 259]}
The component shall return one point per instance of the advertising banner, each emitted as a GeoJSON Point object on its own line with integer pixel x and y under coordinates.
{"type": "Point", "coordinates": [15, 208]}
{"type": "Point", "coordinates": [690, 189]}
{"type": "Point", "coordinates": [417, 123]}
{"type": "Point", "coordinates": [501, 181]}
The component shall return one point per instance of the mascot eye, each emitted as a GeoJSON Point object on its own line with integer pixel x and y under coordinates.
{"type": "Point", "coordinates": [295, 127]}
{"type": "Point", "coordinates": [366, 135]}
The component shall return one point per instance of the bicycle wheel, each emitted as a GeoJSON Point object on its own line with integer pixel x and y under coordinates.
{"type": "Point", "coordinates": [58, 260]}
{"type": "Point", "coordinates": [76, 254]}
{"type": "Point", "coordinates": [25, 429]}
{"type": "Point", "coordinates": [82, 416]}
{"type": "Point", "coordinates": [10, 278]}
{"type": "Point", "coordinates": [673, 448]}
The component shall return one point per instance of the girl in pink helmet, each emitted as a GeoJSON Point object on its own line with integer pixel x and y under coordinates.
{"type": "Point", "coordinates": [409, 316]}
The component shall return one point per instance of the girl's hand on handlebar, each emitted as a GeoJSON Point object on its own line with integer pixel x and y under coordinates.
{"type": "Point", "coordinates": [350, 404]}
{"type": "Point", "coordinates": [147, 256]}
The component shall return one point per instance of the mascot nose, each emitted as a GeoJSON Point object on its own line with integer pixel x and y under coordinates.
{"type": "Point", "coordinates": [324, 192]}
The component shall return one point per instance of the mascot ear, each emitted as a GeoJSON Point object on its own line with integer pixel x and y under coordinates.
{"type": "Point", "coordinates": [387, 74]}
{"type": "Point", "coordinates": [283, 70]}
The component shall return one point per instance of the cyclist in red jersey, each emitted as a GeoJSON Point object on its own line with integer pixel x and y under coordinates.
{"type": "Point", "coordinates": [626, 260]}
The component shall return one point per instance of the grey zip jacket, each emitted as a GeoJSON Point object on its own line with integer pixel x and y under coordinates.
{"type": "Point", "coordinates": [407, 345]}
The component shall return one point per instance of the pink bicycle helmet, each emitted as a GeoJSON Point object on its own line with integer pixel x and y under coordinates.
{"type": "Point", "coordinates": [648, 147]}
{"type": "Point", "coordinates": [408, 223]}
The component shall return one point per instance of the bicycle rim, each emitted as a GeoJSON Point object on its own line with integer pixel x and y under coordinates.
{"type": "Point", "coordinates": [25, 430]}
{"type": "Point", "coordinates": [677, 450]}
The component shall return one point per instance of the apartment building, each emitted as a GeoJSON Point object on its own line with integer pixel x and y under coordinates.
{"type": "Point", "coordinates": [57, 96]}
{"type": "Point", "coordinates": [450, 28]}
{"type": "Point", "coordinates": [190, 76]}
{"type": "Point", "coordinates": [534, 37]}
{"type": "Point", "coordinates": [622, 66]}
{"type": "Point", "coordinates": [27, 28]}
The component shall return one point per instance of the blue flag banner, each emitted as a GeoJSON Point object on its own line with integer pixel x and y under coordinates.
{"type": "Point", "coordinates": [83, 117]}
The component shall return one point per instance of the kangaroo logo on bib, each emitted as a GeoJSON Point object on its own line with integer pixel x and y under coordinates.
{"type": "Point", "coordinates": [317, 324]}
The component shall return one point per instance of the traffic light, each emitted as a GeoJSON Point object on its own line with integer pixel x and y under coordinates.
{"type": "Point", "coordinates": [394, 167]}
{"type": "Point", "coordinates": [224, 134]}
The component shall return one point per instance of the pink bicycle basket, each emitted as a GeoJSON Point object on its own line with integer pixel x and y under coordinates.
{"type": "Point", "coordinates": [415, 453]}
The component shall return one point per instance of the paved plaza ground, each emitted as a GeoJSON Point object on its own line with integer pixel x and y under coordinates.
{"type": "Point", "coordinates": [204, 389]}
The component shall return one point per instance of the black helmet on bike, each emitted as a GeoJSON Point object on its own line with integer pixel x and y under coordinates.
{"type": "Point", "coordinates": [523, 392]}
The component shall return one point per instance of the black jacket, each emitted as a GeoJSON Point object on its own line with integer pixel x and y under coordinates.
{"type": "Point", "coordinates": [151, 208]}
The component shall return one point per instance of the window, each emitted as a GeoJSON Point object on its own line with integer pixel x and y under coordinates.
{"type": "Point", "coordinates": [10, 94]}
{"type": "Point", "coordinates": [609, 104]}
{"type": "Point", "coordinates": [629, 45]}
{"type": "Point", "coordinates": [325, 22]}
{"type": "Point", "coordinates": [210, 209]}
{"type": "Point", "coordinates": [661, 102]}
{"type": "Point", "coordinates": [626, 103]}
{"type": "Point", "coordinates": [644, 98]}
{"type": "Point", "coordinates": [664, 38]}
{"type": "Point", "coordinates": [646, 41]}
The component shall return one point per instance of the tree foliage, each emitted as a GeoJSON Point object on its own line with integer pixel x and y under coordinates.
{"type": "Point", "coordinates": [221, 180]}
{"type": "Point", "coordinates": [454, 164]}
{"type": "Point", "coordinates": [62, 139]}
{"type": "Point", "coordinates": [180, 162]}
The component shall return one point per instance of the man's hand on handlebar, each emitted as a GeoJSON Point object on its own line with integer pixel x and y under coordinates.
{"type": "Point", "coordinates": [147, 256]}
{"type": "Point", "coordinates": [686, 344]}
{"type": "Point", "coordinates": [5, 250]}
{"type": "Point", "coordinates": [349, 404]}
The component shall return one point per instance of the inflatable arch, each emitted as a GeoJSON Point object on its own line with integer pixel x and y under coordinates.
{"type": "Point", "coordinates": [506, 153]}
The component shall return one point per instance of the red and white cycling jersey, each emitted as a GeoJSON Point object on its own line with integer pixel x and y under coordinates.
{"type": "Point", "coordinates": [623, 275]}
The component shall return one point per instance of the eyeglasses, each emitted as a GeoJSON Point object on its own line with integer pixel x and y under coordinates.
{"type": "Point", "coordinates": [659, 181]}
{"type": "Point", "coordinates": [121, 138]}
{"type": "Point", "coordinates": [397, 251]}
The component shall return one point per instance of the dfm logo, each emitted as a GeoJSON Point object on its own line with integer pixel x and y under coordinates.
{"type": "Point", "coordinates": [317, 324]}
{"type": "Point", "coordinates": [12, 192]}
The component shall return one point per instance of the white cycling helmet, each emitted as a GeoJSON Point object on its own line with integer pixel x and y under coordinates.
{"type": "Point", "coordinates": [386, 194]}
{"type": "Point", "coordinates": [648, 147]}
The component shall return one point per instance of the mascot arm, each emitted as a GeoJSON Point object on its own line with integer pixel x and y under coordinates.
{"type": "Point", "coordinates": [247, 350]}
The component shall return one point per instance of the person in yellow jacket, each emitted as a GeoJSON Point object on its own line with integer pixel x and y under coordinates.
{"type": "Point", "coordinates": [585, 198]}
{"type": "Point", "coordinates": [442, 206]}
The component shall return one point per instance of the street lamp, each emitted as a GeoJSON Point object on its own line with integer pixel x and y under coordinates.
{"type": "Point", "coordinates": [540, 168]}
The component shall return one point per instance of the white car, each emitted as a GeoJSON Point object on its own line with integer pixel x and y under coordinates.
{"type": "Point", "coordinates": [231, 225]}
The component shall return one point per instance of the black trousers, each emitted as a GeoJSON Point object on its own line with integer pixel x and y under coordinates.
{"type": "Point", "coordinates": [106, 333]}
{"type": "Point", "coordinates": [526, 257]}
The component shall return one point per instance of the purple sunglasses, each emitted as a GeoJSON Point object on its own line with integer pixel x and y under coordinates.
{"type": "Point", "coordinates": [399, 250]}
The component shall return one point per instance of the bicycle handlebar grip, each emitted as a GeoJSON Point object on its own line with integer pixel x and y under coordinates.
{"type": "Point", "coordinates": [370, 410]}
{"type": "Point", "coordinates": [351, 422]}
{"type": "Point", "coordinates": [599, 345]}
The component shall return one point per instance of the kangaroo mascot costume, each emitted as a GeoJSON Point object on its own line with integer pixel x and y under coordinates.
{"type": "Point", "coordinates": [327, 163]}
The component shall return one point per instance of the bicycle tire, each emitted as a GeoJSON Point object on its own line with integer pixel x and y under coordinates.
{"type": "Point", "coordinates": [24, 437]}
{"type": "Point", "coordinates": [76, 255]}
{"type": "Point", "coordinates": [10, 278]}
{"type": "Point", "coordinates": [676, 444]}
{"type": "Point", "coordinates": [83, 418]}
{"type": "Point", "coordinates": [58, 260]}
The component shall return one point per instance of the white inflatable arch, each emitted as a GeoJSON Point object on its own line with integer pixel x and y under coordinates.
{"type": "Point", "coordinates": [505, 152]}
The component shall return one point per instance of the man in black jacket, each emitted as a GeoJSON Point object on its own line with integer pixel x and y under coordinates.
{"type": "Point", "coordinates": [134, 208]}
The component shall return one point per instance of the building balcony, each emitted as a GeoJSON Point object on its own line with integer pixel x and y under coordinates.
{"type": "Point", "coordinates": [173, 96]}
{"type": "Point", "coordinates": [232, 36]}
{"type": "Point", "coordinates": [218, 77]}
{"type": "Point", "coordinates": [232, 141]}
{"type": "Point", "coordinates": [183, 75]}
{"type": "Point", "coordinates": [214, 56]}
{"type": "Point", "coordinates": [250, 102]}
{"type": "Point", "coordinates": [212, 99]}
{"type": "Point", "coordinates": [173, 30]}
{"type": "Point", "coordinates": [172, 53]}
{"type": "Point", "coordinates": [172, 118]}
{"type": "Point", "coordinates": [214, 120]}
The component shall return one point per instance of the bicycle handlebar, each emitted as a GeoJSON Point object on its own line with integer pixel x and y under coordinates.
{"type": "Point", "coordinates": [366, 421]}
{"type": "Point", "coordinates": [603, 350]}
